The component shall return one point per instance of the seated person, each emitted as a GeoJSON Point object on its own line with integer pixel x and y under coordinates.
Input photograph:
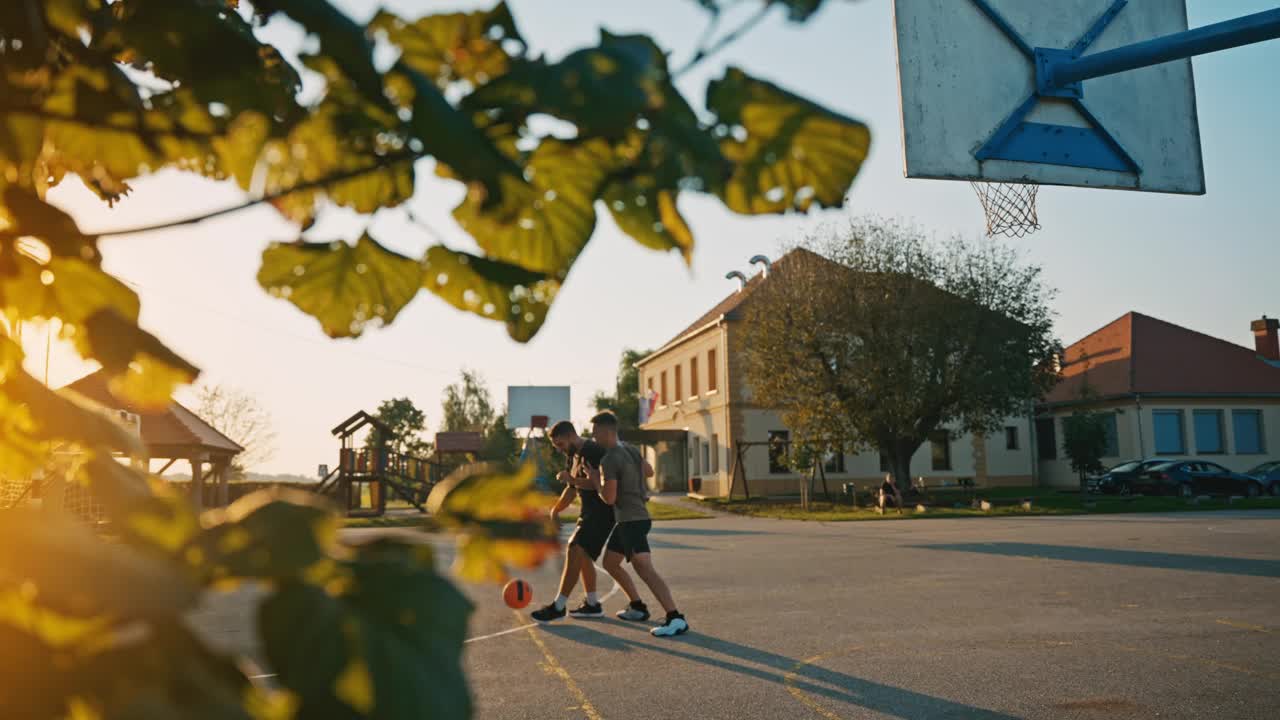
{"type": "Point", "coordinates": [889, 492]}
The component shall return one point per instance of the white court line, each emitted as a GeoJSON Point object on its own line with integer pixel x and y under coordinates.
{"type": "Point", "coordinates": [603, 600]}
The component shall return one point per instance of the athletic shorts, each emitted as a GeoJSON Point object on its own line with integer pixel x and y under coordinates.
{"type": "Point", "coordinates": [630, 538]}
{"type": "Point", "coordinates": [591, 534]}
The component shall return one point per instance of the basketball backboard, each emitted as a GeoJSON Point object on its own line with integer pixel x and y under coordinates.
{"type": "Point", "coordinates": [526, 401]}
{"type": "Point", "coordinates": [974, 109]}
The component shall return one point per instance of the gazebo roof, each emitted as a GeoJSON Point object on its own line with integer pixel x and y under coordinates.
{"type": "Point", "coordinates": [173, 432]}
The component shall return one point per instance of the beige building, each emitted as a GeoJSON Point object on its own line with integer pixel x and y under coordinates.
{"type": "Point", "coordinates": [701, 392]}
{"type": "Point", "coordinates": [1168, 392]}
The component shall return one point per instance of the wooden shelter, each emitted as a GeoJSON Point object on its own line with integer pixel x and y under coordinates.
{"type": "Point", "coordinates": [173, 434]}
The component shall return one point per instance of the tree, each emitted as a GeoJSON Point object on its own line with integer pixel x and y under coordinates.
{"type": "Point", "coordinates": [467, 405]}
{"type": "Point", "coordinates": [625, 400]}
{"type": "Point", "coordinates": [1084, 440]}
{"type": "Point", "coordinates": [238, 415]}
{"type": "Point", "coordinates": [500, 442]}
{"type": "Point", "coordinates": [408, 423]}
{"type": "Point", "coordinates": [884, 337]}
{"type": "Point", "coordinates": [114, 92]}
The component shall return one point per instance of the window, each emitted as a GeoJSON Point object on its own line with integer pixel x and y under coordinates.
{"type": "Point", "coordinates": [834, 462]}
{"type": "Point", "coordinates": [715, 453]}
{"type": "Point", "coordinates": [1209, 437]}
{"type": "Point", "coordinates": [712, 372]}
{"type": "Point", "coordinates": [706, 457]}
{"type": "Point", "coordinates": [693, 377]}
{"type": "Point", "coordinates": [679, 383]}
{"type": "Point", "coordinates": [778, 446]}
{"type": "Point", "coordinates": [1247, 428]}
{"type": "Point", "coordinates": [1168, 429]}
{"type": "Point", "coordinates": [1010, 438]}
{"type": "Point", "coordinates": [1047, 438]}
{"type": "Point", "coordinates": [1113, 436]}
{"type": "Point", "coordinates": [663, 397]}
{"type": "Point", "coordinates": [940, 445]}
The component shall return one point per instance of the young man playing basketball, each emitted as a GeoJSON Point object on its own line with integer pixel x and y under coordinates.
{"type": "Point", "coordinates": [595, 523]}
{"type": "Point", "coordinates": [622, 473]}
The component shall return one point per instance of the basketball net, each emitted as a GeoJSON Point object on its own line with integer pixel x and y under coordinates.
{"type": "Point", "coordinates": [1010, 207]}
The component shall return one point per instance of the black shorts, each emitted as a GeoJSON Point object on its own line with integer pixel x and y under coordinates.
{"type": "Point", "coordinates": [630, 538]}
{"type": "Point", "coordinates": [591, 534]}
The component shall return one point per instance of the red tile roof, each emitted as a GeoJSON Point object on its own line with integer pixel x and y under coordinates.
{"type": "Point", "coordinates": [162, 431]}
{"type": "Point", "coordinates": [1138, 354]}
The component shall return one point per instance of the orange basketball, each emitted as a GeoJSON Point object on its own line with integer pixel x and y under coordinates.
{"type": "Point", "coordinates": [517, 594]}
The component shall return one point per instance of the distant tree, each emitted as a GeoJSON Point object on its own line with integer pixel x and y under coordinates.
{"type": "Point", "coordinates": [625, 400]}
{"type": "Point", "coordinates": [500, 442]}
{"type": "Point", "coordinates": [408, 423]}
{"type": "Point", "coordinates": [467, 405]}
{"type": "Point", "coordinates": [886, 336]}
{"type": "Point", "coordinates": [1084, 440]}
{"type": "Point", "coordinates": [242, 418]}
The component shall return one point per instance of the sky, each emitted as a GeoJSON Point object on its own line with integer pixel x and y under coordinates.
{"type": "Point", "coordinates": [1207, 262]}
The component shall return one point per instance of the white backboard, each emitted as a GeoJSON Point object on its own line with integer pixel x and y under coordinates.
{"type": "Point", "coordinates": [962, 77]}
{"type": "Point", "coordinates": [525, 401]}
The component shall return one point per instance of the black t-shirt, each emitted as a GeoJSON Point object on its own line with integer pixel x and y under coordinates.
{"type": "Point", "coordinates": [591, 453]}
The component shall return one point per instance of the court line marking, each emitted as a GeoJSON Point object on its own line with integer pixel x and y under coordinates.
{"type": "Point", "coordinates": [558, 670]}
{"type": "Point", "coordinates": [1244, 626]}
{"type": "Point", "coordinates": [603, 600]}
{"type": "Point", "coordinates": [789, 680]}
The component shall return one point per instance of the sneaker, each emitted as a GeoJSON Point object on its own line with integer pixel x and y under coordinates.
{"type": "Point", "coordinates": [547, 613]}
{"type": "Point", "coordinates": [587, 610]}
{"type": "Point", "coordinates": [675, 625]}
{"type": "Point", "coordinates": [635, 612]}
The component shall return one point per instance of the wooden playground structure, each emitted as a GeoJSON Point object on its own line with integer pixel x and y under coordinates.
{"type": "Point", "coordinates": [365, 477]}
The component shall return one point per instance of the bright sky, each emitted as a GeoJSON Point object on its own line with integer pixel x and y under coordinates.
{"type": "Point", "coordinates": [1209, 263]}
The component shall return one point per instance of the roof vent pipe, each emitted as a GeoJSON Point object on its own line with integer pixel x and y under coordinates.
{"type": "Point", "coordinates": [761, 260]}
{"type": "Point", "coordinates": [742, 279]}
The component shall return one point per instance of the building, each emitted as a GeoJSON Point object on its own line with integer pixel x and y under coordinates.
{"type": "Point", "coordinates": [701, 392]}
{"type": "Point", "coordinates": [1167, 392]}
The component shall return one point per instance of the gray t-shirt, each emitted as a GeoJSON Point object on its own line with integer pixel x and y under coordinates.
{"type": "Point", "coordinates": [623, 463]}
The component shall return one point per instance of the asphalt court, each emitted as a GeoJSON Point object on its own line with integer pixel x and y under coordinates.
{"type": "Point", "coordinates": [1135, 616]}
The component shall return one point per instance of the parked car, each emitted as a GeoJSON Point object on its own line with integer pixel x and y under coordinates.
{"type": "Point", "coordinates": [1268, 473]}
{"type": "Point", "coordinates": [1189, 478]}
{"type": "Point", "coordinates": [1118, 480]}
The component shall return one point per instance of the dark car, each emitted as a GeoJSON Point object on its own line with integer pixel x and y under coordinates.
{"type": "Point", "coordinates": [1189, 478]}
{"type": "Point", "coordinates": [1119, 479]}
{"type": "Point", "coordinates": [1268, 473]}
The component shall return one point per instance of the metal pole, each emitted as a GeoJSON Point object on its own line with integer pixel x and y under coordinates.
{"type": "Point", "coordinates": [1210, 38]}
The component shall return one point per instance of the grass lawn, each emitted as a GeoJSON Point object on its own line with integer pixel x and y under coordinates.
{"type": "Point", "coordinates": [1044, 502]}
{"type": "Point", "coordinates": [658, 511]}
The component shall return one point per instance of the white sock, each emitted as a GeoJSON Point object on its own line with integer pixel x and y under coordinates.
{"type": "Point", "coordinates": [592, 599]}
{"type": "Point", "coordinates": [561, 601]}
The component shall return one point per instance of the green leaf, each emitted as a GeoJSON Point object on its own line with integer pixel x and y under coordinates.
{"type": "Point", "coordinates": [364, 649]}
{"type": "Point", "coordinates": [344, 287]}
{"type": "Point", "coordinates": [500, 516]}
{"type": "Point", "coordinates": [649, 214]}
{"type": "Point", "coordinates": [491, 289]}
{"type": "Point", "coordinates": [75, 573]}
{"type": "Point", "coordinates": [33, 686]}
{"type": "Point", "coordinates": [269, 535]}
{"type": "Point", "coordinates": [544, 224]}
{"type": "Point", "coordinates": [787, 152]}
{"type": "Point", "coordinates": [453, 47]}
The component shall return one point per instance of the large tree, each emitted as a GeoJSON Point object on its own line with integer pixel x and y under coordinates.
{"type": "Point", "coordinates": [113, 92]}
{"type": "Point", "coordinates": [625, 400]}
{"type": "Point", "coordinates": [467, 404]}
{"type": "Point", "coordinates": [408, 423]}
{"type": "Point", "coordinates": [879, 337]}
{"type": "Point", "coordinates": [239, 416]}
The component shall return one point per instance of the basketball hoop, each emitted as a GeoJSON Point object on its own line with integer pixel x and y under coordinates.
{"type": "Point", "coordinates": [539, 422]}
{"type": "Point", "coordinates": [1010, 207]}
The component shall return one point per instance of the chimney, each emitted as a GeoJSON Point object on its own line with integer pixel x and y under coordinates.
{"type": "Point", "coordinates": [761, 260]}
{"type": "Point", "coordinates": [742, 279]}
{"type": "Point", "coordinates": [1266, 337]}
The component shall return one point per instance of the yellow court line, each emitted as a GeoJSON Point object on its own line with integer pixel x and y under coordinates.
{"type": "Point", "coordinates": [789, 679]}
{"type": "Point", "coordinates": [1244, 626]}
{"type": "Point", "coordinates": [558, 670]}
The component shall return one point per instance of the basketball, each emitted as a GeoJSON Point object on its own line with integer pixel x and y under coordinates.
{"type": "Point", "coordinates": [517, 594]}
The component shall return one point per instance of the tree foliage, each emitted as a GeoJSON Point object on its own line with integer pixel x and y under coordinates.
{"type": "Point", "coordinates": [625, 400]}
{"type": "Point", "coordinates": [887, 336]}
{"type": "Point", "coordinates": [112, 91]}
{"type": "Point", "coordinates": [1084, 440]}
{"type": "Point", "coordinates": [467, 405]}
{"type": "Point", "coordinates": [239, 416]}
{"type": "Point", "coordinates": [408, 423]}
